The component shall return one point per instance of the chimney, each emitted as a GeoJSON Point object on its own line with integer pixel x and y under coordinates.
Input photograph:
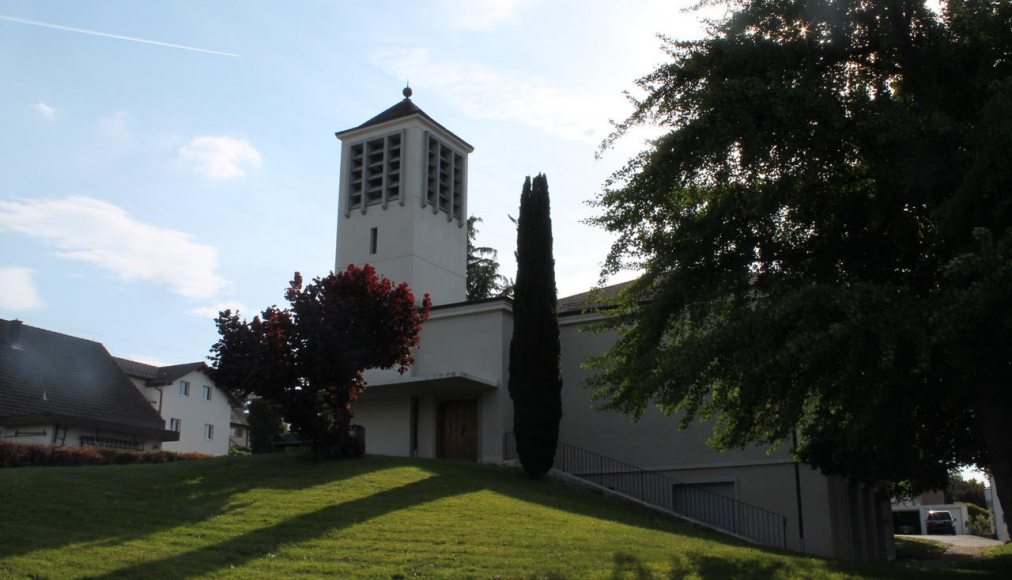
{"type": "Point", "coordinates": [14, 334]}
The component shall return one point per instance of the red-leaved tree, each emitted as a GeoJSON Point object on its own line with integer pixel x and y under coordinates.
{"type": "Point", "coordinates": [309, 358]}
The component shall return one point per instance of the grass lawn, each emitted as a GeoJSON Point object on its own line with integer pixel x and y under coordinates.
{"type": "Point", "coordinates": [919, 549]}
{"type": "Point", "coordinates": [283, 515]}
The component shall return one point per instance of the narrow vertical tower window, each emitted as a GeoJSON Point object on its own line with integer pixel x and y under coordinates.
{"type": "Point", "coordinates": [373, 239]}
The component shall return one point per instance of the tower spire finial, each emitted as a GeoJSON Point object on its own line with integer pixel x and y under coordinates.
{"type": "Point", "coordinates": [407, 89]}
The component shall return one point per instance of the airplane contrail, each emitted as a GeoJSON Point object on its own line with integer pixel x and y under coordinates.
{"type": "Point", "coordinates": [115, 36]}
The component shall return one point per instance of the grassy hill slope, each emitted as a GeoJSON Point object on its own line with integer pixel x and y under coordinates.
{"type": "Point", "coordinates": [284, 515]}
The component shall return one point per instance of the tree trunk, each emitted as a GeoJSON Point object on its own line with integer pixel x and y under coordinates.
{"type": "Point", "coordinates": [347, 444]}
{"type": "Point", "coordinates": [995, 423]}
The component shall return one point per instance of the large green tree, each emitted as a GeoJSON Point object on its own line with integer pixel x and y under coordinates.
{"type": "Point", "coordinates": [483, 277]}
{"type": "Point", "coordinates": [535, 381]}
{"type": "Point", "coordinates": [308, 359]}
{"type": "Point", "coordinates": [965, 491]}
{"type": "Point", "coordinates": [824, 235]}
{"type": "Point", "coordinates": [265, 426]}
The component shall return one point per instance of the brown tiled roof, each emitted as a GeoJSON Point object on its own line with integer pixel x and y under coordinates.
{"type": "Point", "coordinates": [157, 376]}
{"type": "Point", "coordinates": [590, 299]}
{"type": "Point", "coordinates": [168, 374]}
{"type": "Point", "coordinates": [137, 369]}
{"type": "Point", "coordinates": [48, 375]}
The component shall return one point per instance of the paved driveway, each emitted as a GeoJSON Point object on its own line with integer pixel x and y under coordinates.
{"type": "Point", "coordinates": [965, 541]}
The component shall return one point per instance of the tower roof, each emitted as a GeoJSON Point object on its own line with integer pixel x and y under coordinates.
{"type": "Point", "coordinates": [405, 108]}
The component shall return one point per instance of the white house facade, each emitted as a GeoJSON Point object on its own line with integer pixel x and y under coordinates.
{"type": "Point", "coordinates": [408, 219]}
{"type": "Point", "coordinates": [189, 402]}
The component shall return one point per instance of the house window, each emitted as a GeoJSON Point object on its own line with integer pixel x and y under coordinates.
{"type": "Point", "coordinates": [184, 388]}
{"type": "Point", "coordinates": [373, 239]}
{"type": "Point", "coordinates": [207, 393]}
{"type": "Point", "coordinates": [29, 433]}
{"type": "Point", "coordinates": [111, 443]}
{"type": "Point", "coordinates": [174, 424]}
{"type": "Point", "coordinates": [235, 431]}
{"type": "Point", "coordinates": [375, 171]}
{"type": "Point", "coordinates": [208, 432]}
{"type": "Point", "coordinates": [444, 179]}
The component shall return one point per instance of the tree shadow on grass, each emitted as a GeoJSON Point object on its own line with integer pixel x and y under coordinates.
{"type": "Point", "coordinates": [139, 505]}
{"type": "Point", "coordinates": [766, 562]}
{"type": "Point", "coordinates": [568, 497]}
{"type": "Point", "coordinates": [628, 567]}
{"type": "Point", "coordinates": [96, 507]}
{"type": "Point", "coordinates": [264, 541]}
{"type": "Point", "coordinates": [695, 565]}
{"type": "Point", "coordinates": [47, 508]}
{"type": "Point", "coordinates": [703, 566]}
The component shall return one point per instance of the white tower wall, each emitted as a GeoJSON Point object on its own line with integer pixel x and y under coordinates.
{"type": "Point", "coordinates": [414, 242]}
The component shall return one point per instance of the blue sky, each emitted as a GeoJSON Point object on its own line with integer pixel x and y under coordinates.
{"type": "Point", "coordinates": [144, 185]}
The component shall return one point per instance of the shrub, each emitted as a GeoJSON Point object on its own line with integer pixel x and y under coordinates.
{"type": "Point", "coordinates": [980, 525]}
{"type": "Point", "coordinates": [265, 426]}
{"type": "Point", "coordinates": [974, 510]}
{"type": "Point", "coordinates": [21, 455]}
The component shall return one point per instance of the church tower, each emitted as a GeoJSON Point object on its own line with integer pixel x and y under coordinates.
{"type": "Point", "coordinates": [403, 204]}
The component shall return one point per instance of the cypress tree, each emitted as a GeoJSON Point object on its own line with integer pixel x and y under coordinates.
{"type": "Point", "coordinates": [535, 382]}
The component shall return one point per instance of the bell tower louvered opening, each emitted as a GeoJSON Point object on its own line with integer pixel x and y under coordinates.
{"type": "Point", "coordinates": [444, 178]}
{"type": "Point", "coordinates": [374, 171]}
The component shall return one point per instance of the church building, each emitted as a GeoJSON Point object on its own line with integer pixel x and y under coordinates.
{"type": "Point", "coordinates": [403, 210]}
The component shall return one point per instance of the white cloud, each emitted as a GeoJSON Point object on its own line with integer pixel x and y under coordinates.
{"type": "Point", "coordinates": [17, 289]}
{"type": "Point", "coordinates": [482, 14]}
{"type": "Point", "coordinates": [483, 93]}
{"type": "Point", "coordinates": [212, 311]}
{"type": "Point", "coordinates": [623, 50]}
{"type": "Point", "coordinates": [115, 125]}
{"type": "Point", "coordinates": [45, 110]}
{"type": "Point", "coordinates": [220, 157]}
{"type": "Point", "coordinates": [102, 234]}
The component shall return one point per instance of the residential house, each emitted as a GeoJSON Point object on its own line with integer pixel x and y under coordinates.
{"type": "Point", "coordinates": [403, 209]}
{"type": "Point", "coordinates": [188, 400]}
{"type": "Point", "coordinates": [238, 429]}
{"type": "Point", "coordinates": [57, 389]}
{"type": "Point", "coordinates": [910, 514]}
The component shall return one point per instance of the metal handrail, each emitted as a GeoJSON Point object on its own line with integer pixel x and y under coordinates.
{"type": "Point", "coordinates": [717, 511]}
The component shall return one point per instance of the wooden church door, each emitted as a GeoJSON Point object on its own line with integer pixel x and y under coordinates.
{"type": "Point", "coordinates": [458, 430]}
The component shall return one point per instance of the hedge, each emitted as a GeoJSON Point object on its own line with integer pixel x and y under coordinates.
{"type": "Point", "coordinates": [20, 455]}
